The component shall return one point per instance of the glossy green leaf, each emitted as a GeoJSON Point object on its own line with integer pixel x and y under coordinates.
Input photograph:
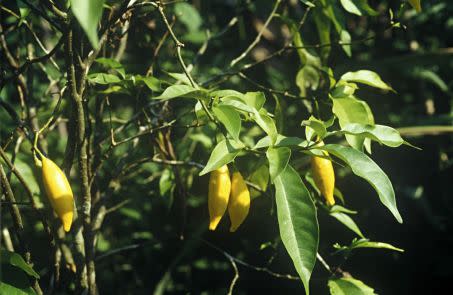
{"type": "Point", "coordinates": [314, 127]}
{"type": "Point", "coordinates": [345, 39]}
{"type": "Point", "coordinates": [88, 13]}
{"type": "Point", "coordinates": [180, 78]}
{"type": "Point", "coordinates": [229, 118]}
{"type": "Point", "coordinates": [308, 3]}
{"type": "Point", "coordinates": [223, 153]}
{"type": "Point", "coordinates": [278, 159]}
{"type": "Point", "coordinates": [281, 141]}
{"type": "Point", "coordinates": [298, 222]}
{"type": "Point", "coordinates": [349, 286]}
{"type": "Point", "coordinates": [366, 77]}
{"type": "Point", "coordinates": [255, 99]}
{"type": "Point", "coordinates": [175, 91]}
{"type": "Point", "coordinates": [266, 123]}
{"type": "Point", "coordinates": [227, 92]}
{"type": "Point", "coordinates": [236, 103]}
{"type": "Point", "coordinates": [362, 166]}
{"type": "Point", "coordinates": [348, 222]}
{"type": "Point", "coordinates": [380, 133]}
{"type": "Point", "coordinates": [358, 7]}
{"type": "Point", "coordinates": [8, 289]}
{"type": "Point", "coordinates": [352, 110]}
{"type": "Point", "coordinates": [365, 243]}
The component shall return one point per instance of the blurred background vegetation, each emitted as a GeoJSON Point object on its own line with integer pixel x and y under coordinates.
{"type": "Point", "coordinates": [148, 243]}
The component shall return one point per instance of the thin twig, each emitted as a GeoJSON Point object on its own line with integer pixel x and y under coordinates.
{"type": "Point", "coordinates": [258, 37]}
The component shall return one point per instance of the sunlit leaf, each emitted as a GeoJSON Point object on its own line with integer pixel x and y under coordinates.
{"type": "Point", "coordinates": [298, 222]}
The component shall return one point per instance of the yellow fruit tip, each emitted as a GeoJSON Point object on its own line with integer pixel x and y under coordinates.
{"type": "Point", "coordinates": [233, 229]}
{"type": "Point", "coordinates": [67, 227]}
{"type": "Point", "coordinates": [67, 221]}
{"type": "Point", "coordinates": [213, 223]}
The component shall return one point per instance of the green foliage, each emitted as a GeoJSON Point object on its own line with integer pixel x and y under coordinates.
{"type": "Point", "coordinates": [297, 222]}
{"type": "Point", "coordinates": [162, 106]}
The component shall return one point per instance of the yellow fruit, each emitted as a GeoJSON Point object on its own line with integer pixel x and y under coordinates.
{"type": "Point", "coordinates": [58, 191]}
{"type": "Point", "coordinates": [324, 177]}
{"type": "Point", "coordinates": [239, 205]}
{"type": "Point", "coordinates": [416, 4]}
{"type": "Point", "coordinates": [218, 195]}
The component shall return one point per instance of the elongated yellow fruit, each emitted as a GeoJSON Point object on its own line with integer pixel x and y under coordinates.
{"type": "Point", "coordinates": [324, 177]}
{"type": "Point", "coordinates": [239, 204]}
{"type": "Point", "coordinates": [416, 4]}
{"type": "Point", "coordinates": [58, 191]}
{"type": "Point", "coordinates": [218, 195]}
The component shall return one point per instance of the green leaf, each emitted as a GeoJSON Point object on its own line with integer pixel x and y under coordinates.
{"type": "Point", "coordinates": [351, 110]}
{"type": "Point", "coordinates": [298, 222]}
{"type": "Point", "coordinates": [358, 7]}
{"type": "Point", "coordinates": [180, 77]}
{"type": "Point", "coordinates": [314, 127]}
{"type": "Point", "coordinates": [103, 78]}
{"type": "Point", "coordinates": [308, 3]}
{"type": "Point", "coordinates": [88, 13]}
{"type": "Point", "coordinates": [307, 78]}
{"type": "Point", "coordinates": [365, 243]}
{"type": "Point", "coordinates": [11, 290]}
{"type": "Point", "coordinates": [380, 133]}
{"type": "Point", "coordinates": [278, 159]}
{"type": "Point", "coordinates": [188, 15]}
{"type": "Point", "coordinates": [112, 64]}
{"type": "Point", "coordinates": [366, 77]}
{"type": "Point", "coordinates": [281, 141]}
{"type": "Point", "coordinates": [227, 92]}
{"type": "Point", "coordinates": [223, 153]}
{"type": "Point", "coordinates": [323, 25]}
{"type": "Point", "coordinates": [255, 100]}
{"type": "Point", "coordinates": [182, 91]}
{"type": "Point", "coordinates": [230, 118]}
{"type": "Point", "coordinates": [236, 103]}
{"type": "Point", "coordinates": [259, 177]}
{"type": "Point", "coordinates": [17, 261]}
{"type": "Point", "coordinates": [345, 39]}
{"type": "Point", "coordinates": [151, 82]}
{"type": "Point", "coordinates": [279, 115]}
{"type": "Point", "coordinates": [362, 166]}
{"type": "Point", "coordinates": [266, 123]}
{"type": "Point", "coordinates": [349, 286]}
{"type": "Point", "coordinates": [347, 221]}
